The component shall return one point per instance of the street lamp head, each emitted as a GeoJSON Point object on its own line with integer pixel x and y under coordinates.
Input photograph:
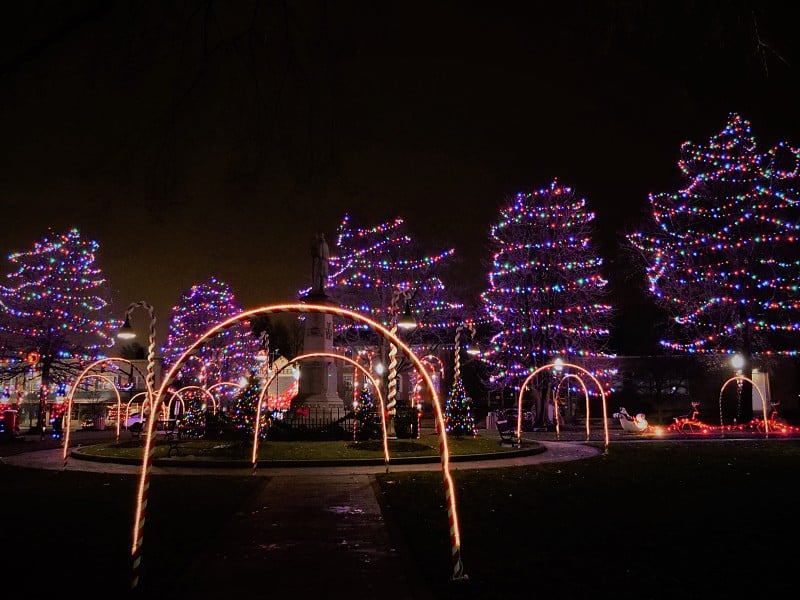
{"type": "Point", "coordinates": [126, 332]}
{"type": "Point", "coordinates": [406, 320]}
{"type": "Point", "coordinates": [737, 361]}
{"type": "Point", "coordinates": [473, 350]}
{"type": "Point", "coordinates": [559, 364]}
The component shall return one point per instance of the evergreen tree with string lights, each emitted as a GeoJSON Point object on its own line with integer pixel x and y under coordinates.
{"type": "Point", "coordinates": [243, 416]}
{"type": "Point", "coordinates": [459, 420]}
{"type": "Point", "coordinates": [56, 315]}
{"type": "Point", "coordinates": [369, 265]}
{"type": "Point", "coordinates": [227, 356]}
{"type": "Point", "coordinates": [547, 295]}
{"type": "Point", "coordinates": [722, 254]}
{"type": "Point", "coordinates": [367, 414]}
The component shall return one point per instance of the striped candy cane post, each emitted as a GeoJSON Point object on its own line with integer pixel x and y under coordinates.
{"type": "Point", "coordinates": [391, 397]}
{"type": "Point", "coordinates": [144, 480]}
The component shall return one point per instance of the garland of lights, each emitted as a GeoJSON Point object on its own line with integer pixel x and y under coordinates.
{"type": "Point", "coordinates": [722, 256]}
{"type": "Point", "coordinates": [546, 292]}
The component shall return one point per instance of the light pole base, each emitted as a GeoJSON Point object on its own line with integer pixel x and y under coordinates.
{"type": "Point", "coordinates": [391, 433]}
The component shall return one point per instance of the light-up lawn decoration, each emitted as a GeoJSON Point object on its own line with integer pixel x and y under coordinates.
{"type": "Point", "coordinates": [347, 359]}
{"type": "Point", "coordinates": [147, 456]}
{"type": "Point", "coordinates": [555, 365]}
{"type": "Point", "coordinates": [561, 381]}
{"type": "Point", "coordinates": [85, 374]}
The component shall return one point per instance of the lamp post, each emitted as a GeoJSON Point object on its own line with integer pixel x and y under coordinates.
{"type": "Point", "coordinates": [126, 332]}
{"type": "Point", "coordinates": [737, 362]}
{"type": "Point", "coordinates": [404, 320]}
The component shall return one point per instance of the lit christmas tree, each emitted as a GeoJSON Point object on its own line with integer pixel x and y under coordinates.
{"type": "Point", "coordinates": [546, 295]}
{"type": "Point", "coordinates": [244, 410]}
{"type": "Point", "coordinates": [459, 419]}
{"type": "Point", "coordinates": [56, 314]}
{"type": "Point", "coordinates": [369, 266]}
{"type": "Point", "coordinates": [723, 254]}
{"type": "Point", "coordinates": [228, 355]}
{"type": "Point", "coordinates": [368, 414]}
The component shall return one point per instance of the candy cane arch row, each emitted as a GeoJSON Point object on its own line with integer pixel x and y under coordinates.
{"type": "Point", "coordinates": [347, 359]}
{"type": "Point", "coordinates": [147, 455]}
{"type": "Point", "coordinates": [83, 375]}
{"type": "Point", "coordinates": [186, 389]}
{"type": "Point", "coordinates": [105, 378]}
{"type": "Point", "coordinates": [572, 366]}
{"type": "Point", "coordinates": [738, 379]}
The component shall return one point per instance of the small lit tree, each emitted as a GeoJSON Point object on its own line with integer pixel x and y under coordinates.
{"type": "Point", "coordinates": [244, 410]}
{"type": "Point", "coordinates": [459, 419]}
{"type": "Point", "coordinates": [367, 413]}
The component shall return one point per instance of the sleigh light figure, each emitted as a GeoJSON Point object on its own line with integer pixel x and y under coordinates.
{"type": "Point", "coordinates": [637, 424]}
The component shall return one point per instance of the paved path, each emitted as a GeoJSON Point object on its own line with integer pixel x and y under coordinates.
{"type": "Point", "coordinates": [310, 532]}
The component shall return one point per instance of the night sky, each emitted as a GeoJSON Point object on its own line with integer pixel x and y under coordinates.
{"type": "Point", "coordinates": [193, 139]}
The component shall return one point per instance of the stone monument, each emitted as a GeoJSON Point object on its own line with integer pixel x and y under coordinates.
{"type": "Point", "coordinates": [318, 397]}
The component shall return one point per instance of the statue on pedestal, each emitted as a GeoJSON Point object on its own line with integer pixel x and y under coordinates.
{"type": "Point", "coordinates": [319, 264]}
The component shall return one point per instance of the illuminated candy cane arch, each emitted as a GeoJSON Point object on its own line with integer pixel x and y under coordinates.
{"type": "Point", "coordinates": [567, 377]}
{"type": "Point", "coordinates": [435, 366]}
{"type": "Point", "coordinates": [554, 365]}
{"type": "Point", "coordinates": [187, 388]}
{"type": "Point", "coordinates": [347, 359]}
{"type": "Point", "coordinates": [86, 374]}
{"type": "Point", "coordinates": [149, 447]}
{"type": "Point", "coordinates": [738, 379]}
{"type": "Point", "coordinates": [105, 378]}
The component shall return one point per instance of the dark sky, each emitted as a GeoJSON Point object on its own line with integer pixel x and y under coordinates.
{"type": "Point", "coordinates": [193, 139]}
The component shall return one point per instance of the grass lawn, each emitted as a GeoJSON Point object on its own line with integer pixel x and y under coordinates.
{"type": "Point", "coordinates": [665, 520]}
{"type": "Point", "coordinates": [426, 445]}
{"type": "Point", "coordinates": [688, 519]}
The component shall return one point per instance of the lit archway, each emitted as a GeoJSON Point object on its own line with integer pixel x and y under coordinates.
{"type": "Point", "coordinates": [560, 365]}
{"type": "Point", "coordinates": [87, 371]}
{"type": "Point", "coordinates": [457, 572]}
{"type": "Point", "coordinates": [347, 359]}
{"type": "Point", "coordinates": [108, 380]}
{"type": "Point", "coordinates": [585, 395]}
{"type": "Point", "coordinates": [738, 379]}
{"type": "Point", "coordinates": [183, 403]}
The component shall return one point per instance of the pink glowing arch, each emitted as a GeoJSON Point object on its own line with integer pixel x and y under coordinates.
{"type": "Point", "coordinates": [105, 378]}
{"type": "Point", "coordinates": [347, 359]}
{"type": "Point", "coordinates": [585, 395]}
{"type": "Point", "coordinates": [738, 379]}
{"type": "Point", "coordinates": [87, 373]}
{"type": "Point", "coordinates": [560, 365]}
{"type": "Point", "coordinates": [186, 388]}
{"type": "Point", "coordinates": [147, 455]}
